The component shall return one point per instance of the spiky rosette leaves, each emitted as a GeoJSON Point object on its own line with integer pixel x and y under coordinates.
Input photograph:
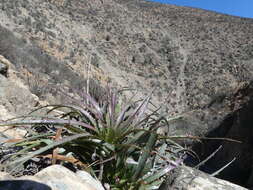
{"type": "Point", "coordinates": [117, 143]}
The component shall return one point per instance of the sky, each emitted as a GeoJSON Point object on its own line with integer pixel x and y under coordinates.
{"type": "Point", "coordinates": [243, 8]}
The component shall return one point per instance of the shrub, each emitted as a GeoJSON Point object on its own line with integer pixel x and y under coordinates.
{"type": "Point", "coordinates": [117, 143]}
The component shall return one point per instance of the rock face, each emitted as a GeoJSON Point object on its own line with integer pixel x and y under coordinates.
{"type": "Point", "coordinates": [236, 126]}
{"type": "Point", "coordinates": [200, 62]}
{"type": "Point", "coordinates": [15, 99]}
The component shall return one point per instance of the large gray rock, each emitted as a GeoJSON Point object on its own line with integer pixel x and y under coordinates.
{"type": "Point", "coordinates": [185, 178]}
{"type": "Point", "coordinates": [60, 178]}
{"type": "Point", "coordinates": [54, 177]}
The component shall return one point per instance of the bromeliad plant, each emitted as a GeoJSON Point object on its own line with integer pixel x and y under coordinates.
{"type": "Point", "coordinates": [117, 143]}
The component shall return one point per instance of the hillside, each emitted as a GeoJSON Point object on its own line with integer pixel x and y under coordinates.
{"type": "Point", "coordinates": [197, 61]}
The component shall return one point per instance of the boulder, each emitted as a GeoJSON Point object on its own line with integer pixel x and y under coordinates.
{"type": "Point", "coordinates": [5, 176]}
{"type": "Point", "coordinates": [54, 177]}
{"type": "Point", "coordinates": [59, 178]}
{"type": "Point", "coordinates": [185, 178]}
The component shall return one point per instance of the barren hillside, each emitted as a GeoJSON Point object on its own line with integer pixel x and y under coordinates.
{"type": "Point", "coordinates": [195, 60]}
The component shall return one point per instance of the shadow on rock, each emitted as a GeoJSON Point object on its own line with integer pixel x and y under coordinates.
{"type": "Point", "coordinates": [22, 185]}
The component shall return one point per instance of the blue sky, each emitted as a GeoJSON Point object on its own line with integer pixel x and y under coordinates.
{"type": "Point", "coordinates": [243, 8]}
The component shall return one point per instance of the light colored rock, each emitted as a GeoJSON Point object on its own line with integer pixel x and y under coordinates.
{"type": "Point", "coordinates": [4, 114]}
{"type": "Point", "coordinates": [186, 178]}
{"type": "Point", "coordinates": [5, 61]}
{"type": "Point", "coordinates": [87, 178]}
{"type": "Point", "coordinates": [8, 131]}
{"type": "Point", "coordinates": [5, 176]}
{"type": "Point", "coordinates": [61, 178]}
{"type": "Point", "coordinates": [15, 100]}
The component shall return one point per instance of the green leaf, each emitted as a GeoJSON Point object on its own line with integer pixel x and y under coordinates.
{"type": "Point", "coordinates": [146, 153]}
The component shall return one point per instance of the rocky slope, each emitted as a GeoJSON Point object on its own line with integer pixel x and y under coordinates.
{"type": "Point", "coordinates": [199, 62]}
